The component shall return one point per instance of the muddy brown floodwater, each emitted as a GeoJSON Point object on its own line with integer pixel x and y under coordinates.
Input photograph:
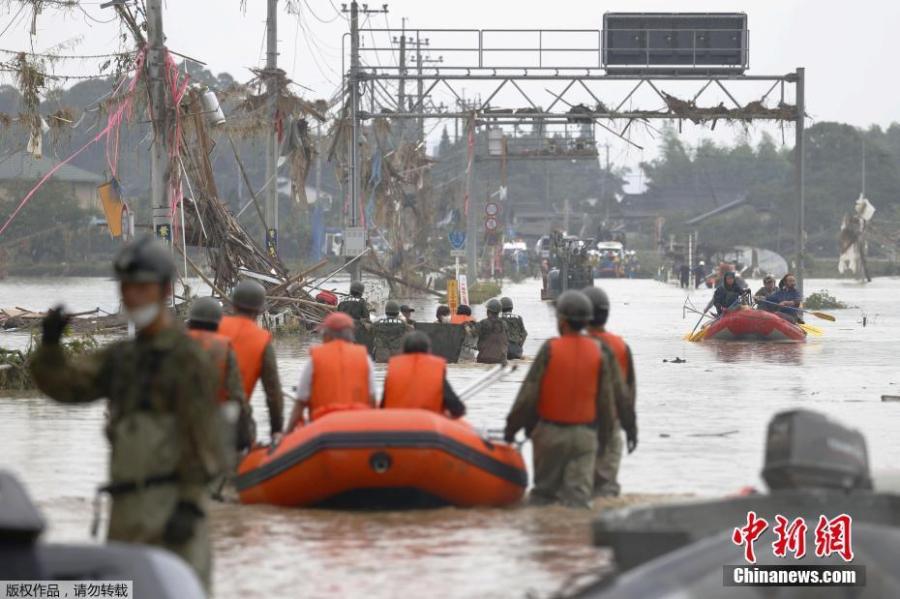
{"type": "Point", "coordinates": [702, 424]}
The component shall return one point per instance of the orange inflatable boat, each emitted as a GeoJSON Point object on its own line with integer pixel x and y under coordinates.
{"type": "Point", "coordinates": [383, 459]}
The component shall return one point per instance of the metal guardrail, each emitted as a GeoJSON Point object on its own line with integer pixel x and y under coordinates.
{"type": "Point", "coordinates": [537, 48]}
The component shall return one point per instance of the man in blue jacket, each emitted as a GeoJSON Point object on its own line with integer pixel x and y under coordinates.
{"type": "Point", "coordinates": [786, 302]}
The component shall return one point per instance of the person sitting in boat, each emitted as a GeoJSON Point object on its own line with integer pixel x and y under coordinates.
{"type": "Point", "coordinates": [728, 295]}
{"type": "Point", "coordinates": [765, 291]}
{"type": "Point", "coordinates": [787, 301]}
{"type": "Point", "coordinates": [418, 380]}
{"type": "Point", "coordinates": [338, 376]}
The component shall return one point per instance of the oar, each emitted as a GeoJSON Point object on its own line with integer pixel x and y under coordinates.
{"type": "Point", "coordinates": [490, 377]}
{"type": "Point", "coordinates": [694, 335]}
{"type": "Point", "coordinates": [822, 315]}
{"type": "Point", "coordinates": [812, 330]}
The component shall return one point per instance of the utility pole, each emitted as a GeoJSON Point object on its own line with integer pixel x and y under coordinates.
{"type": "Point", "coordinates": [271, 142]}
{"type": "Point", "coordinates": [471, 213]}
{"type": "Point", "coordinates": [159, 154]}
{"type": "Point", "coordinates": [401, 93]}
{"type": "Point", "coordinates": [799, 175]}
{"type": "Point", "coordinates": [420, 87]}
{"type": "Point", "coordinates": [603, 186]}
{"type": "Point", "coordinates": [354, 80]}
{"type": "Point", "coordinates": [355, 126]}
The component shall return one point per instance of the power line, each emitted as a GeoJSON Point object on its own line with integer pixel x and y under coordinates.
{"type": "Point", "coordinates": [13, 20]}
{"type": "Point", "coordinates": [320, 19]}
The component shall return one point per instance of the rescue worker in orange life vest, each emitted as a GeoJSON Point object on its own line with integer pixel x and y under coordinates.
{"type": "Point", "coordinates": [606, 483]}
{"type": "Point", "coordinates": [338, 376]}
{"type": "Point", "coordinates": [203, 327]}
{"type": "Point", "coordinates": [254, 350]}
{"type": "Point", "coordinates": [418, 380]}
{"type": "Point", "coordinates": [566, 405]}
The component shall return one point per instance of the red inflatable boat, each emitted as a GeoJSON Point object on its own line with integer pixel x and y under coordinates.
{"type": "Point", "coordinates": [383, 459]}
{"type": "Point", "coordinates": [752, 325]}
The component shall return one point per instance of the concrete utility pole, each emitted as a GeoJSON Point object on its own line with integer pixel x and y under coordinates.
{"type": "Point", "coordinates": [355, 127]}
{"type": "Point", "coordinates": [420, 87]}
{"type": "Point", "coordinates": [271, 142]}
{"type": "Point", "coordinates": [799, 175]}
{"type": "Point", "coordinates": [603, 186]}
{"type": "Point", "coordinates": [354, 79]}
{"type": "Point", "coordinates": [159, 154]}
{"type": "Point", "coordinates": [401, 93]}
{"type": "Point", "coordinates": [472, 214]}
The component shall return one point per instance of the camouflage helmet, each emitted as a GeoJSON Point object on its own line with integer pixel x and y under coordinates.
{"type": "Point", "coordinates": [205, 309]}
{"type": "Point", "coordinates": [249, 295]}
{"type": "Point", "coordinates": [493, 307]}
{"type": "Point", "coordinates": [357, 288]}
{"type": "Point", "coordinates": [574, 306]}
{"type": "Point", "coordinates": [506, 303]}
{"type": "Point", "coordinates": [392, 308]}
{"type": "Point", "coordinates": [146, 260]}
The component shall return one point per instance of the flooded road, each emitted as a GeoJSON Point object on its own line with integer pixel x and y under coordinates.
{"type": "Point", "coordinates": [702, 424]}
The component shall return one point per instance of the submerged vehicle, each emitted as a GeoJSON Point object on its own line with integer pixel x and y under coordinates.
{"type": "Point", "coordinates": [390, 459]}
{"type": "Point", "coordinates": [814, 468]}
{"type": "Point", "coordinates": [751, 325]}
{"type": "Point", "coordinates": [153, 572]}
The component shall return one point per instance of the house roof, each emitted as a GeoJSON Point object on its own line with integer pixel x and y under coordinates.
{"type": "Point", "coordinates": [24, 166]}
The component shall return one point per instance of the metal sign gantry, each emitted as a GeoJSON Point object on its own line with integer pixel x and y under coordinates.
{"type": "Point", "coordinates": [479, 61]}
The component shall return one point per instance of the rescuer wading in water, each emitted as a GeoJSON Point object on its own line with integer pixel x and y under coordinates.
{"type": "Point", "coordinates": [566, 405]}
{"type": "Point", "coordinates": [609, 458]}
{"type": "Point", "coordinates": [162, 426]}
{"type": "Point", "coordinates": [254, 350]}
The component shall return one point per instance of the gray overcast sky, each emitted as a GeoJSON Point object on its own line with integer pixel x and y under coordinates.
{"type": "Point", "coordinates": [845, 47]}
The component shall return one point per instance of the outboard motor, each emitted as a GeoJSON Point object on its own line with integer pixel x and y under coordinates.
{"type": "Point", "coordinates": [154, 572]}
{"type": "Point", "coordinates": [807, 450]}
{"type": "Point", "coordinates": [20, 526]}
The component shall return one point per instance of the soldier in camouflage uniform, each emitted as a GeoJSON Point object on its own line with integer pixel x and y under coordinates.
{"type": "Point", "coordinates": [565, 416]}
{"type": "Point", "coordinates": [493, 337]}
{"type": "Point", "coordinates": [609, 457]}
{"type": "Point", "coordinates": [389, 332]}
{"type": "Point", "coordinates": [515, 326]}
{"type": "Point", "coordinates": [355, 306]}
{"type": "Point", "coordinates": [162, 427]}
{"type": "Point", "coordinates": [254, 348]}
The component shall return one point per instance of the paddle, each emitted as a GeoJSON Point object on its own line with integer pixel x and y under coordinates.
{"type": "Point", "coordinates": [695, 335]}
{"type": "Point", "coordinates": [821, 315]}
{"type": "Point", "coordinates": [812, 330]}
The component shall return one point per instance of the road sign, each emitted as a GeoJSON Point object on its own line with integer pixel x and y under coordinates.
{"type": "Point", "coordinates": [457, 239]}
{"type": "Point", "coordinates": [354, 241]}
{"type": "Point", "coordinates": [452, 295]}
{"type": "Point", "coordinates": [457, 253]}
{"type": "Point", "coordinates": [491, 223]}
{"type": "Point", "coordinates": [491, 209]}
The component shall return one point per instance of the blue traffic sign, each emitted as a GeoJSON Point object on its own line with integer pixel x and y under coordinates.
{"type": "Point", "coordinates": [457, 239]}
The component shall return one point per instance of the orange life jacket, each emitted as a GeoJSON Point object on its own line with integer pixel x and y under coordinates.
{"type": "Point", "coordinates": [460, 318]}
{"type": "Point", "coordinates": [569, 386]}
{"type": "Point", "coordinates": [619, 349]}
{"type": "Point", "coordinates": [249, 342]}
{"type": "Point", "coordinates": [340, 379]}
{"type": "Point", "coordinates": [217, 347]}
{"type": "Point", "coordinates": [415, 381]}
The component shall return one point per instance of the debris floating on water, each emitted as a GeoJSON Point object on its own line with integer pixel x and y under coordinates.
{"type": "Point", "coordinates": [675, 360]}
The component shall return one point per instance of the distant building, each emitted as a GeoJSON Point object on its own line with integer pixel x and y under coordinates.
{"type": "Point", "coordinates": [22, 168]}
